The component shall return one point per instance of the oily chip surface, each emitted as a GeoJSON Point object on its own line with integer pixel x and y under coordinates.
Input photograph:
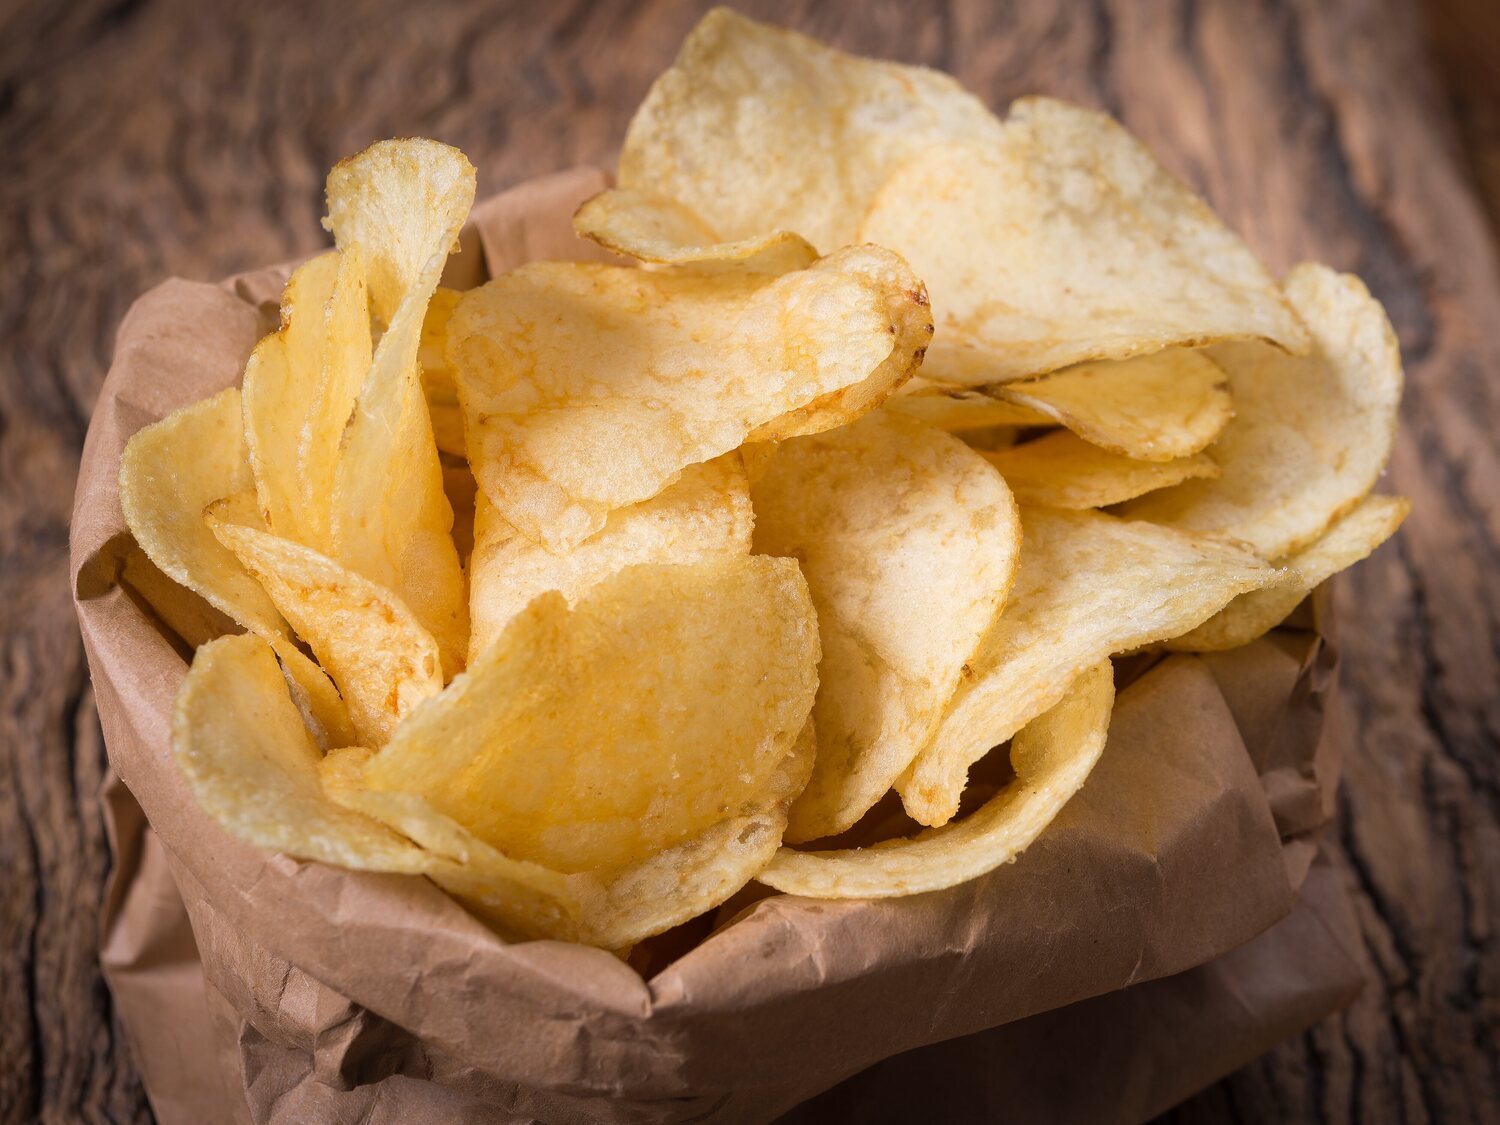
{"type": "Point", "coordinates": [587, 388]}
{"type": "Point", "coordinates": [1064, 241]}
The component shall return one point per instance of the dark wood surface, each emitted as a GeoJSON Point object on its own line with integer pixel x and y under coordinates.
{"type": "Point", "coordinates": [143, 138]}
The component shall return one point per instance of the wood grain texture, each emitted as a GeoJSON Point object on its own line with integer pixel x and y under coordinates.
{"type": "Point", "coordinates": [144, 138]}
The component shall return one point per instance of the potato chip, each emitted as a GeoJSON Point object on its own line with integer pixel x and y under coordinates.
{"type": "Point", "coordinates": [1066, 241]}
{"type": "Point", "coordinates": [279, 379]}
{"type": "Point", "coordinates": [705, 514]}
{"type": "Point", "coordinates": [252, 766]}
{"type": "Point", "coordinates": [1156, 407]}
{"type": "Point", "coordinates": [611, 910]}
{"type": "Point", "coordinates": [186, 613]}
{"type": "Point", "coordinates": [1352, 537]}
{"type": "Point", "coordinates": [587, 388]}
{"type": "Point", "coordinates": [958, 409]}
{"type": "Point", "coordinates": [652, 228]}
{"type": "Point", "coordinates": [1052, 756]}
{"type": "Point", "coordinates": [703, 675]}
{"type": "Point", "coordinates": [1089, 585]}
{"type": "Point", "coordinates": [382, 659]}
{"type": "Point", "coordinates": [909, 543]}
{"type": "Point", "coordinates": [1062, 470]}
{"type": "Point", "coordinates": [757, 129]}
{"type": "Point", "coordinates": [1310, 435]}
{"type": "Point", "coordinates": [402, 203]}
{"type": "Point", "coordinates": [326, 398]}
{"type": "Point", "coordinates": [169, 473]}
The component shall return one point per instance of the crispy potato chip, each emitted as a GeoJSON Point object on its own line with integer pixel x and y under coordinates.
{"type": "Point", "coordinates": [251, 764]}
{"type": "Point", "coordinates": [1062, 470]}
{"type": "Point", "coordinates": [652, 228]}
{"type": "Point", "coordinates": [1352, 537]}
{"type": "Point", "coordinates": [587, 388]}
{"type": "Point", "coordinates": [704, 515]}
{"type": "Point", "coordinates": [1156, 407]}
{"type": "Point", "coordinates": [1311, 434]}
{"type": "Point", "coordinates": [402, 203]}
{"type": "Point", "coordinates": [703, 675]}
{"type": "Point", "coordinates": [1052, 756]}
{"type": "Point", "coordinates": [909, 543]}
{"type": "Point", "coordinates": [382, 659]}
{"type": "Point", "coordinates": [279, 378]}
{"type": "Point", "coordinates": [170, 473]}
{"type": "Point", "coordinates": [756, 129]}
{"type": "Point", "coordinates": [1066, 241]}
{"type": "Point", "coordinates": [181, 610]}
{"type": "Point", "coordinates": [326, 398]}
{"type": "Point", "coordinates": [611, 910]}
{"type": "Point", "coordinates": [1089, 586]}
{"type": "Point", "coordinates": [958, 409]}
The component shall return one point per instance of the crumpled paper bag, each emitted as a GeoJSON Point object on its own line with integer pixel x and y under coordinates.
{"type": "Point", "coordinates": [260, 988]}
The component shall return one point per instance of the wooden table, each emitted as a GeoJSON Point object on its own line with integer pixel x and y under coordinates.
{"type": "Point", "coordinates": [143, 138]}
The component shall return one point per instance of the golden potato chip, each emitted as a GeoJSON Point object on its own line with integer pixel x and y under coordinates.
{"type": "Point", "coordinates": [1351, 537]}
{"type": "Point", "coordinates": [448, 427]}
{"type": "Point", "coordinates": [1052, 756]}
{"type": "Point", "coordinates": [701, 675]}
{"type": "Point", "coordinates": [756, 129]}
{"type": "Point", "coordinates": [1062, 470]}
{"type": "Point", "coordinates": [587, 388]}
{"type": "Point", "coordinates": [705, 514]}
{"type": "Point", "coordinates": [252, 766]}
{"type": "Point", "coordinates": [1311, 434]}
{"type": "Point", "coordinates": [652, 228]}
{"type": "Point", "coordinates": [381, 658]}
{"type": "Point", "coordinates": [181, 610]}
{"type": "Point", "coordinates": [959, 409]}
{"type": "Point", "coordinates": [324, 399]}
{"type": "Point", "coordinates": [909, 543]}
{"type": "Point", "coordinates": [1157, 407]}
{"type": "Point", "coordinates": [1089, 586]}
{"type": "Point", "coordinates": [402, 203]}
{"type": "Point", "coordinates": [1063, 241]}
{"type": "Point", "coordinates": [610, 910]}
{"type": "Point", "coordinates": [279, 378]}
{"type": "Point", "coordinates": [169, 473]}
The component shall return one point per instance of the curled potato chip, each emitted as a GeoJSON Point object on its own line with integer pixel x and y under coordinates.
{"type": "Point", "coordinates": [382, 659]}
{"type": "Point", "coordinates": [1351, 537]}
{"type": "Point", "coordinates": [959, 409]}
{"type": "Point", "coordinates": [757, 129]}
{"type": "Point", "coordinates": [909, 543]}
{"type": "Point", "coordinates": [611, 910]}
{"type": "Point", "coordinates": [402, 203]}
{"type": "Point", "coordinates": [704, 675]}
{"type": "Point", "coordinates": [251, 764]}
{"type": "Point", "coordinates": [170, 473]}
{"type": "Point", "coordinates": [1089, 586]}
{"type": "Point", "coordinates": [1062, 470]}
{"type": "Point", "coordinates": [1066, 241]}
{"type": "Point", "coordinates": [279, 377]}
{"type": "Point", "coordinates": [326, 397]}
{"type": "Point", "coordinates": [705, 514]}
{"type": "Point", "coordinates": [1157, 407]}
{"type": "Point", "coordinates": [587, 388]}
{"type": "Point", "coordinates": [1311, 434]}
{"type": "Point", "coordinates": [437, 378]}
{"type": "Point", "coordinates": [652, 228]}
{"type": "Point", "coordinates": [1052, 757]}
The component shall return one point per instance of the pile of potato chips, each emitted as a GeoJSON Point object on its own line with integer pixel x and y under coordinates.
{"type": "Point", "coordinates": [741, 578]}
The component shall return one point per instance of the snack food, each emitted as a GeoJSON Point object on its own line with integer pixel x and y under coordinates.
{"type": "Point", "coordinates": [736, 570]}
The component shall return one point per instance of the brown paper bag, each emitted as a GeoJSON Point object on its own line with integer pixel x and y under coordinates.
{"type": "Point", "coordinates": [305, 993]}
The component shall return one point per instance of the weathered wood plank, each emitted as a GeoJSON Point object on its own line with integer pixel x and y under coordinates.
{"type": "Point", "coordinates": [149, 137]}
